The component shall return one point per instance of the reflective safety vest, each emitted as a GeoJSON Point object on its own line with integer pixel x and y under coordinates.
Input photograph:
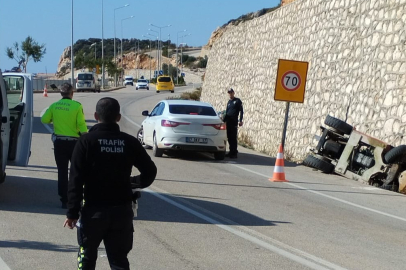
{"type": "Point", "coordinates": [67, 117]}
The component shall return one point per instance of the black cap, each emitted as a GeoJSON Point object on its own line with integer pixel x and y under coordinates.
{"type": "Point", "coordinates": [230, 90]}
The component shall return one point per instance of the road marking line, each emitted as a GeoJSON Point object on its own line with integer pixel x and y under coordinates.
{"type": "Point", "coordinates": [46, 125]}
{"type": "Point", "coordinates": [309, 190]}
{"type": "Point", "coordinates": [250, 238]}
{"type": "Point", "coordinates": [3, 265]}
{"type": "Point", "coordinates": [327, 196]}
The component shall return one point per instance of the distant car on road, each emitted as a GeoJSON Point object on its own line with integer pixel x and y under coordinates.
{"type": "Point", "coordinates": [165, 83]}
{"type": "Point", "coordinates": [86, 81]}
{"type": "Point", "coordinates": [142, 84]}
{"type": "Point", "coordinates": [183, 125]}
{"type": "Point", "coordinates": [128, 80]}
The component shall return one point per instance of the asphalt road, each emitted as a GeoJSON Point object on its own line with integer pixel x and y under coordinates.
{"type": "Point", "coordinates": [205, 214]}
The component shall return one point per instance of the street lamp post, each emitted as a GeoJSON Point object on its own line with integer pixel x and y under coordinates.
{"type": "Point", "coordinates": [177, 42]}
{"type": "Point", "coordinates": [122, 40]}
{"type": "Point", "coordinates": [95, 45]}
{"type": "Point", "coordinates": [72, 62]}
{"type": "Point", "coordinates": [155, 46]}
{"type": "Point", "coordinates": [169, 43]}
{"type": "Point", "coordinates": [102, 49]}
{"type": "Point", "coordinates": [160, 28]}
{"type": "Point", "coordinates": [150, 51]}
{"type": "Point", "coordinates": [115, 61]}
{"type": "Point", "coordinates": [157, 54]}
{"type": "Point", "coordinates": [181, 52]}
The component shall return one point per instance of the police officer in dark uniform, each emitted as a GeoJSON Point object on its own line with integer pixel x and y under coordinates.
{"type": "Point", "coordinates": [234, 108]}
{"type": "Point", "coordinates": [69, 123]}
{"type": "Point", "coordinates": [100, 176]}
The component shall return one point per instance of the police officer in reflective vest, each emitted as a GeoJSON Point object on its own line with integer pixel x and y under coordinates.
{"type": "Point", "coordinates": [234, 108]}
{"type": "Point", "coordinates": [101, 176]}
{"type": "Point", "coordinates": [69, 123]}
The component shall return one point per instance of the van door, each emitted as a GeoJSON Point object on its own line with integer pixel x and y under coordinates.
{"type": "Point", "coordinates": [20, 104]}
{"type": "Point", "coordinates": [5, 128]}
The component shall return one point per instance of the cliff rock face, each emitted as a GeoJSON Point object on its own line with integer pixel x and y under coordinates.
{"type": "Point", "coordinates": [64, 62]}
{"type": "Point", "coordinates": [285, 2]}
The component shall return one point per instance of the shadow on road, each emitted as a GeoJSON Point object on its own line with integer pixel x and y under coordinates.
{"type": "Point", "coordinates": [280, 187]}
{"type": "Point", "coordinates": [35, 245]}
{"type": "Point", "coordinates": [31, 195]}
{"type": "Point", "coordinates": [38, 127]}
{"type": "Point", "coordinates": [152, 208]}
{"type": "Point", "coordinates": [243, 158]}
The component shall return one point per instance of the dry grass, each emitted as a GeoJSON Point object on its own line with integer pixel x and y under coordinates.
{"type": "Point", "coordinates": [245, 141]}
{"type": "Point", "coordinates": [195, 95]}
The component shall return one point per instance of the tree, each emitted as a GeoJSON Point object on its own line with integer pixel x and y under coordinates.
{"type": "Point", "coordinates": [29, 49]}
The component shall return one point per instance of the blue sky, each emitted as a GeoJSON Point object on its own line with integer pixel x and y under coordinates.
{"type": "Point", "coordinates": [49, 22]}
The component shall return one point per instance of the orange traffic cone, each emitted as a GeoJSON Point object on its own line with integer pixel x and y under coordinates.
{"type": "Point", "coordinates": [45, 94]}
{"type": "Point", "coordinates": [279, 171]}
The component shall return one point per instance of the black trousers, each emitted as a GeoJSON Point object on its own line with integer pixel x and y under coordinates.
{"type": "Point", "coordinates": [63, 154]}
{"type": "Point", "coordinates": [232, 129]}
{"type": "Point", "coordinates": [112, 225]}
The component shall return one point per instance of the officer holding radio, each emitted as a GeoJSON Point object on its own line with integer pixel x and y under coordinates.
{"type": "Point", "coordinates": [69, 123]}
{"type": "Point", "coordinates": [100, 176]}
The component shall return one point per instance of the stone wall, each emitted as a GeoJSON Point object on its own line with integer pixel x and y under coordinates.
{"type": "Point", "coordinates": [357, 70]}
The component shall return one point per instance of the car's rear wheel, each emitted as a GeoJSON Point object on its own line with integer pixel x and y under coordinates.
{"type": "Point", "coordinates": [140, 137]}
{"type": "Point", "coordinates": [157, 91]}
{"type": "Point", "coordinates": [319, 163]}
{"type": "Point", "coordinates": [155, 150]}
{"type": "Point", "coordinates": [219, 155]}
{"type": "Point", "coordinates": [172, 91]}
{"type": "Point", "coordinates": [147, 88]}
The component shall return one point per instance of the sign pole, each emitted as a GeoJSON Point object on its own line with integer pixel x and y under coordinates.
{"type": "Point", "coordinates": [285, 125]}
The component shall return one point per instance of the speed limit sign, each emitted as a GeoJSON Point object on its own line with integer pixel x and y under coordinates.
{"type": "Point", "coordinates": [291, 81]}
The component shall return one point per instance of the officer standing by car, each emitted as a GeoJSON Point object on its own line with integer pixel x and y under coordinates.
{"type": "Point", "coordinates": [101, 176]}
{"type": "Point", "coordinates": [234, 108]}
{"type": "Point", "coordinates": [69, 123]}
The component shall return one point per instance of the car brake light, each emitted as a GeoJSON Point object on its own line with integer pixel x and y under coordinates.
{"type": "Point", "coordinates": [221, 126]}
{"type": "Point", "coordinates": [167, 123]}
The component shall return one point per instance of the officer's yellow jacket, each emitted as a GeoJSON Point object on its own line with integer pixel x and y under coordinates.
{"type": "Point", "coordinates": [67, 117]}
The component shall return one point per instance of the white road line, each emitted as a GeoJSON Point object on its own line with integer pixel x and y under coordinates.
{"type": "Point", "coordinates": [309, 190]}
{"type": "Point", "coordinates": [326, 196]}
{"type": "Point", "coordinates": [252, 239]}
{"type": "Point", "coordinates": [46, 125]}
{"type": "Point", "coordinates": [3, 265]}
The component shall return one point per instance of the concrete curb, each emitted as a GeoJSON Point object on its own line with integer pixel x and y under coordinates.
{"type": "Point", "coordinates": [56, 91]}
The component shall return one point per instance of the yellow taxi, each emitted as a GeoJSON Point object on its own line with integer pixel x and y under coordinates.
{"type": "Point", "coordinates": [165, 83]}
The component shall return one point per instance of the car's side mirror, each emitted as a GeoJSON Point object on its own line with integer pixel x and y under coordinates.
{"type": "Point", "coordinates": [145, 113]}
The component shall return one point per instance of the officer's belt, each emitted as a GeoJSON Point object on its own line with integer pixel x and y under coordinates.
{"type": "Point", "coordinates": [66, 138]}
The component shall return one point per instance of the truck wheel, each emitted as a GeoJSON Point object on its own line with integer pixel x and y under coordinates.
{"type": "Point", "coordinates": [318, 163]}
{"type": "Point", "coordinates": [338, 125]}
{"type": "Point", "coordinates": [333, 148]}
{"type": "Point", "coordinates": [395, 154]}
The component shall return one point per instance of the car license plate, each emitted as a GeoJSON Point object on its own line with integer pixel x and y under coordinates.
{"type": "Point", "coordinates": [196, 140]}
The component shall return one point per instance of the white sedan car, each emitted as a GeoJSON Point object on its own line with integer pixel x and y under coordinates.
{"type": "Point", "coordinates": [183, 125]}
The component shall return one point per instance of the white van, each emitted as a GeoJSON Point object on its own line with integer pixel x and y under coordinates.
{"type": "Point", "coordinates": [86, 81]}
{"type": "Point", "coordinates": [128, 80]}
{"type": "Point", "coordinates": [17, 112]}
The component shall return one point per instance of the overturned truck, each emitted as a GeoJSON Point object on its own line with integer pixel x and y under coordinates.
{"type": "Point", "coordinates": [344, 150]}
